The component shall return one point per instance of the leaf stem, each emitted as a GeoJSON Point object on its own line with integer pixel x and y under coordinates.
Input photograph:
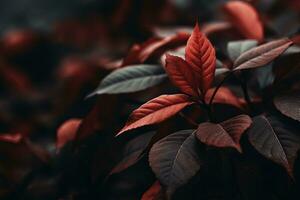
{"type": "Point", "coordinates": [218, 87]}
{"type": "Point", "coordinates": [208, 109]}
{"type": "Point", "coordinates": [245, 90]}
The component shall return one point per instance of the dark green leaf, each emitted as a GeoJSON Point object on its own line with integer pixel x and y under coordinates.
{"type": "Point", "coordinates": [131, 79]}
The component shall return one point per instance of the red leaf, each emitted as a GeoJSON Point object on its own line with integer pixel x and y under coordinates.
{"type": "Point", "coordinates": [224, 96]}
{"type": "Point", "coordinates": [67, 132]}
{"type": "Point", "coordinates": [11, 138]}
{"type": "Point", "coordinates": [100, 117]}
{"type": "Point", "coordinates": [200, 54]}
{"type": "Point", "coordinates": [153, 193]}
{"type": "Point", "coordinates": [245, 18]}
{"type": "Point", "coordinates": [156, 111]}
{"type": "Point", "coordinates": [154, 47]}
{"type": "Point", "coordinates": [14, 78]}
{"type": "Point", "coordinates": [225, 134]}
{"type": "Point", "coordinates": [215, 27]}
{"type": "Point", "coordinates": [181, 74]}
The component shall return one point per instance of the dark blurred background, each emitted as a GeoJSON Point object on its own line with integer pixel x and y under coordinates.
{"type": "Point", "coordinates": [54, 53]}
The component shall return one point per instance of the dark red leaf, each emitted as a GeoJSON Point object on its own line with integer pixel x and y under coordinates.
{"type": "Point", "coordinates": [200, 54]}
{"type": "Point", "coordinates": [181, 74]}
{"type": "Point", "coordinates": [215, 27]}
{"type": "Point", "coordinates": [153, 193]}
{"type": "Point", "coordinates": [245, 18]}
{"type": "Point", "coordinates": [11, 138]}
{"type": "Point", "coordinates": [156, 111]}
{"type": "Point", "coordinates": [225, 134]}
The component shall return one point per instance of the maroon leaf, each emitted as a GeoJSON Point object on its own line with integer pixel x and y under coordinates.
{"type": "Point", "coordinates": [200, 54]}
{"type": "Point", "coordinates": [245, 18]}
{"type": "Point", "coordinates": [153, 193]}
{"type": "Point", "coordinates": [215, 27]}
{"type": "Point", "coordinates": [156, 111]}
{"type": "Point", "coordinates": [224, 96]}
{"type": "Point", "coordinates": [175, 159]}
{"type": "Point", "coordinates": [262, 55]}
{"type": "Point", "coordinates": [67, 132]}
{"type": "Point", "coordinates": [275, 140]}
{"type": "Point", "coordinates": [11, 138]}
{"type": "Point", "coordinates": [225, 134]}
{"type": "Point", "coordinates": [181, 74]}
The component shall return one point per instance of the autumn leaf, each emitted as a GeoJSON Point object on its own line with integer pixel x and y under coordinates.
{"type": "Point", "coordinates": [200, 55]}
{"type": "Point", "coordinates": [156, 111]}
{"type": "Point", "coordinates": [245, 18]}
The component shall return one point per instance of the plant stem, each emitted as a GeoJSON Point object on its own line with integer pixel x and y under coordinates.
{"type": "Point", "coordinates": [208, 109]}
{"type": "Point", "coordinates": [244, 87]}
